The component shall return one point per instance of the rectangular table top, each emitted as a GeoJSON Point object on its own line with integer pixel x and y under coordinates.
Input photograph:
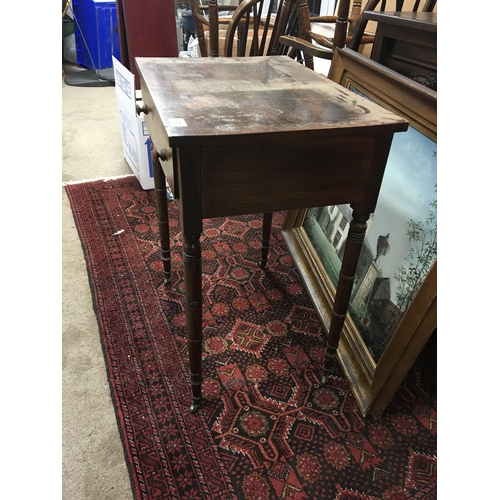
{"type": "Point", "coordinates": [424, 21]}
{"type": "Point", "coordinates": [206, 101]}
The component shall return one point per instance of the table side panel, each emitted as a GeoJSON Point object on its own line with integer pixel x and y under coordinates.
{"type": "Point", "coordinates": [158, 136]}
{"type": "Point", "coordinates": [273, 177]}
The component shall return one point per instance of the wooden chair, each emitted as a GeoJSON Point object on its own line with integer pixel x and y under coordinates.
{"type": "Point", "coordinates": [200, 14]}
{"type": "Point", "coordinates": [251, 30]}
{"type": "Point", "coordinates": [312, 44]}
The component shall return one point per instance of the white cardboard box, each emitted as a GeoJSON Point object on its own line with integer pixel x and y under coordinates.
{"type": "Point", "coordinates": [135, 137]}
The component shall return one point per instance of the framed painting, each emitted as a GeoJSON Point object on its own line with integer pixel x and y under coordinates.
{"type": "Point", "coordinates": [393, 305]}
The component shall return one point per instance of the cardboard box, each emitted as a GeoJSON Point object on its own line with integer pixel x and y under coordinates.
{"type": "Point", "coordinates": [135, 136]}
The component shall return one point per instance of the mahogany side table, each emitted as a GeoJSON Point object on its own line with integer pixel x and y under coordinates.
{"type": "Point", "coordinates": [260, 134]}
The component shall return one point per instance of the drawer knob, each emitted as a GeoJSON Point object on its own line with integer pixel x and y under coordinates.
{"type": "Point", "coordinates": [144, 109]}
{"type": "Point", "coordinates": [165, 155]}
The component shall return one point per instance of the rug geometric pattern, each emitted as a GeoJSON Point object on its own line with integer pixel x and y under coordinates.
{"type": "Point", "coordinates": [266, 428]}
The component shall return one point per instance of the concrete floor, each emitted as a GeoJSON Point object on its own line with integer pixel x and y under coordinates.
{"type": "Point", "coordinates": [93, 462]}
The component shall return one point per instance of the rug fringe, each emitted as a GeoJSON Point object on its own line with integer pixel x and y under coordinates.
{"type": "Point", "coordinates": [105, 179]}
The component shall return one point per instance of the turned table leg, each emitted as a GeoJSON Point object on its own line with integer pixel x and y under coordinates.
{"type": "Point", "coordinates": [354, 243]}
{"type": "Point", "coordinates": [266, 236]}
{"type": "Point", "coordinates": [162, 214]}
{"type": "Point", "coordinates": [191, 252]}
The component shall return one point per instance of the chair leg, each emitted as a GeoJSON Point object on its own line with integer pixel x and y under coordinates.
{"type": "Point", "coordinates": [162, 214]}
{"type": "Point", "coordinates": [266, 236]}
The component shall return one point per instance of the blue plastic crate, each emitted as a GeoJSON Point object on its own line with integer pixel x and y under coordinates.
{"type": "Point", "coordinates": [96, 33]}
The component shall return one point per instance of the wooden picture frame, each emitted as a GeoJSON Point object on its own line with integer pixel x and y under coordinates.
{"type": "Point", "coordinates": [373, 379]}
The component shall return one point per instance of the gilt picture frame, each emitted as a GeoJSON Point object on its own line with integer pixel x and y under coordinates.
{"type": "Point", "coordinates": [393, 309]}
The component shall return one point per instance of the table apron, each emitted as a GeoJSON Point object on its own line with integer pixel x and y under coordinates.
{"type": "Point", "coordinates": [272, 177]}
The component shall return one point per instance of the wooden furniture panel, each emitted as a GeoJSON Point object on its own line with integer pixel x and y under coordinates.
{"type": "Point", "coordinates": [407, 43]}
{"type": "Point", "coordinates": [310, 164]}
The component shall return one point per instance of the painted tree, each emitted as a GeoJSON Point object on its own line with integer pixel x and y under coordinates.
{"type": "Point", "coordinates": [422, 254]}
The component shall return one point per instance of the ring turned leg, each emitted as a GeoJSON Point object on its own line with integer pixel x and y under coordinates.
{"type": "Point", "coordinates": [266, 236]}
{"type": "Point", "coordinates": [354, 243]}
{"type": "Point", "coordinates": [191, 252]}
{"type": "Point", "coordinates": [162, 214]}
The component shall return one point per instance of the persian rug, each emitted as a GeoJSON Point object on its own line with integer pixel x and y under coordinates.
{"type": "Point", "coordinates": [267, 428]}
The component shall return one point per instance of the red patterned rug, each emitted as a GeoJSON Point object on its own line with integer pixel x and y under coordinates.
{"type": "Point", "coordinates": [266, 427]}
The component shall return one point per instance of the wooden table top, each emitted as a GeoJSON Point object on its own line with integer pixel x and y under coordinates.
{"type": "Point", "coordinates": [426, 21]}
{"type": "Point", "coordinates": [208, 101]}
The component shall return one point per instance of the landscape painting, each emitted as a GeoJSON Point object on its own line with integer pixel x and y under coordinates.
{"type": "Point", "coordinates": [401, 241]}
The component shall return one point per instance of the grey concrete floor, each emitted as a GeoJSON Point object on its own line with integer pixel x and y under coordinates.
{"type": "Point", "coordinates": [93, 461]}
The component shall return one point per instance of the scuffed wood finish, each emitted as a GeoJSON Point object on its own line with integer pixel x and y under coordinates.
{"type": "Point", "coordinates": [215, 101]}
{"type": "Point", "coordinates": [249, 135]}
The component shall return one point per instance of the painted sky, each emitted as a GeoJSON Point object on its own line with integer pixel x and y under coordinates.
{"type": "Point", "coordinates": [407, 190]}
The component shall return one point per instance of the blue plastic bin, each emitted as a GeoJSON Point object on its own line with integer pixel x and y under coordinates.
{"type": "Point", "coordinates": [96, 33]}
